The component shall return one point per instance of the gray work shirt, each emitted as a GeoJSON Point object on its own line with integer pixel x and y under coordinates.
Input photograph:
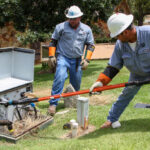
{"type": "Point", "coordinates": [71, 42]}
{"type": "Point", "coordinates": [138, 61]}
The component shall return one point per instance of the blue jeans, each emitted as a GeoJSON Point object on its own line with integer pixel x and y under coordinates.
{"type": "Point", "coordinates": [124, 99]}
{"type": "Point", "coordinates": [122, 102]}
{"type": "Point", "coordinates": [64, 65]}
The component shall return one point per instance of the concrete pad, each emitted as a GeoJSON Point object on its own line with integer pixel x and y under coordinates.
{"type": "Point", "coordinates": [103, 51]}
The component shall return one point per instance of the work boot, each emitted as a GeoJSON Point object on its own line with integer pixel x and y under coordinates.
{"type": "Point", "coordinates": [107, 124]}
{"type": "Point", "coordinates": [52, 110]}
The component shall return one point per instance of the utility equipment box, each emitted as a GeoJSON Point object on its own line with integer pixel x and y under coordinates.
{"type": "Point", "coordinates": [16, 77]}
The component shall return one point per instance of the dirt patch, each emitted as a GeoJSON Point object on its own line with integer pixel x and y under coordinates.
{"type": "Point", "coordinates": [42, 93]}
{"type": "Point", "coordinates": [44, 71]}
{"type": "Point", "coordinates": [101, 99]}
{"type": "Point", "coordinates": [49, 70]}
{"type": "Point", "coordinates": [21, 127]}
{"type": "Point", "coordinates": [80, 132]}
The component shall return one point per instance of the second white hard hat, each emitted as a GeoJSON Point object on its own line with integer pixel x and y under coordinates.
{"type": "Point", "coordinates": [118, 22]}
{"type": "Point", "coordinates": [74, 12]}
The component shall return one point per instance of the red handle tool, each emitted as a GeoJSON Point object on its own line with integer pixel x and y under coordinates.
{"type": "Point", "coordinates": [98, 89]}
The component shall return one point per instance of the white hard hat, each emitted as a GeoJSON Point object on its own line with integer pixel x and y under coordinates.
{"type": "Point", "coordinates": [118, 22]}
{"type": "Point", "coordinates": [74, 12]}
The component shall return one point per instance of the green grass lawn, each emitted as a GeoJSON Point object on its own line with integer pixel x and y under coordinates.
{"type": "Point", "coordinates": [133, 135]}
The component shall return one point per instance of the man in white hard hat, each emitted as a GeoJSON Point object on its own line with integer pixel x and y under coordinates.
{"type": "Point", "coordinates": [132, 50]}
{"type": "Point", "coordinates": [68, 41]}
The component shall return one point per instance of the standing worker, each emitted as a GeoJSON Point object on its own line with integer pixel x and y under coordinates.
{"type": "Point", "coordinates": [132, 50]}
{"type": "Point", "coordinates": [68, 41]}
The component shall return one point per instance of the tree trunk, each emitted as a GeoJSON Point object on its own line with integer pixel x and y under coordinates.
{"type": "Point", "coordinates": [140, 13]}
{"type": "Point", "coordinates": [140, 20]}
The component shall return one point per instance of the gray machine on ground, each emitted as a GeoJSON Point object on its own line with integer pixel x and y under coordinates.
{"type": "Point", "coordinates": [16, 77]}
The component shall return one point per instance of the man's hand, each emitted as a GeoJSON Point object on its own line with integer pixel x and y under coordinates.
{"type": "Point", "coordinates": [52, 62]}
{"type": "Point", "coordinates": [84, 64]}
{"type": "Point", "coordinates": [96, 84]}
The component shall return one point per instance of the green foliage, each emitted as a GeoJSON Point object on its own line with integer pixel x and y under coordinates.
{"type": "Point", "coordinates": [37, 18]}
{"type": "Point", "coordinates": [140, 8]}
{"type": "Point", "coordinates": [10, 10]}
{"type": "Point", "coordinates": [32, 36]}
{"type": "Point", "coordinates": [43, 15]}
{"type": "Point", "coordinates": [100, 36]}
{"type": "Point", "coordinates": [94, 9]}
{"type": "Point", "coordinates": [103, 40]}
{"type": "Point", "coordinates": [45, 66]}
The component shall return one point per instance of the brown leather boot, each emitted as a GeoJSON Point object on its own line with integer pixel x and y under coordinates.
{"type": "Point", "coordinates": [107, 124]}
{"type": "Point", "coordinates": [52, 110]}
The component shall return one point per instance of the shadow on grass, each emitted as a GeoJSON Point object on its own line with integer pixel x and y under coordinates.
{"type": "Point", "coordinates": [134, 125]}
{"type": "Point", "coordinates": [45, 137]}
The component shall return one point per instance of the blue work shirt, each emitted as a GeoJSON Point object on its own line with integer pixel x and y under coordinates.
{"type": "Point", "coordinates": [138, 61]}
{"type": "Point", "coordinates": [71, 42]}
